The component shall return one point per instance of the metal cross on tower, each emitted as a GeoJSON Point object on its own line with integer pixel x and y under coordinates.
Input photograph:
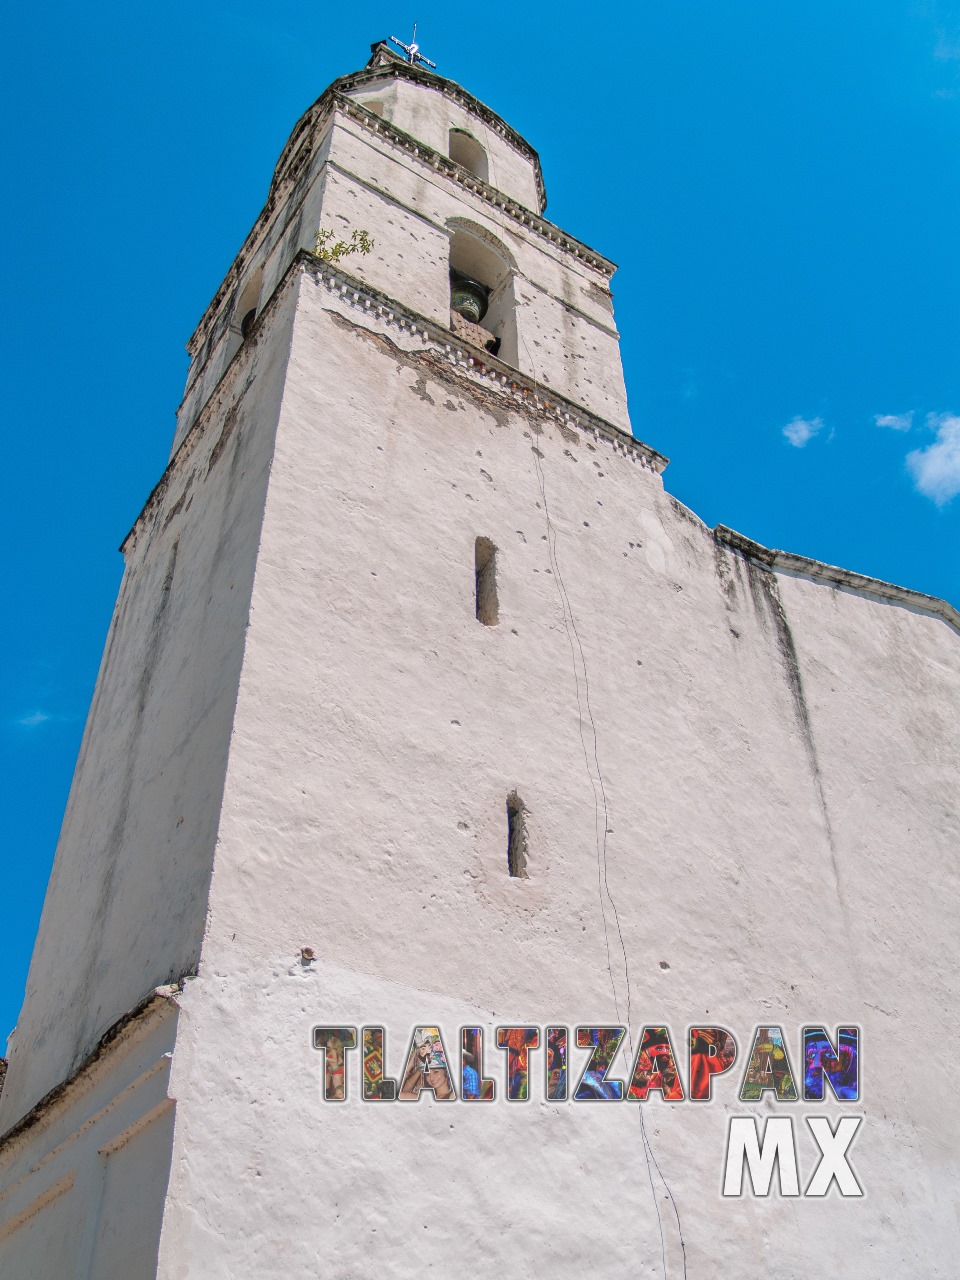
{"type": "Point", "coordinates": [412, 50]}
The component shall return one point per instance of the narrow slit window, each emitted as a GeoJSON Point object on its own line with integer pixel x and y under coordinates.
{"type": "Point", "coordinates": [516, 837]}
{"type": "Point", "coordinates": [485, 567]}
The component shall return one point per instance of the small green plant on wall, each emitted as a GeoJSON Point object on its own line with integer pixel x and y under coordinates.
{"type": "Point", "coordinates": [332, 250]}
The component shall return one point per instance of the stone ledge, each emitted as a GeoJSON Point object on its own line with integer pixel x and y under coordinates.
{"type": "Point", "coordinates": [479, 365]}
{"type": "Point", "coordinates": [441, 163]}
{"type": "Point", "coordinates": [160, 997]}
{"type": "Point", "coordinates": [475, 334]}
{"type": "Point", "coordinates": [805, 567]}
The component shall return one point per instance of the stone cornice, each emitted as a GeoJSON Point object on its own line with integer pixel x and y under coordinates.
{"type": "Point", "coordinates": [478, 366]}
{"type": "Point", "coordinates": [485, 371]}
{"type": "Point", "coordinates": [440, 163]}
{"type": "Point", "coordinates": [804, 567]}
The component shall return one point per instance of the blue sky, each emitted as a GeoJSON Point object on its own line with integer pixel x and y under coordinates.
{"type": "Point", "coordinates": [779, 185]}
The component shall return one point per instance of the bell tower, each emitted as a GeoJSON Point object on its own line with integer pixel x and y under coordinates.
{"type": "Point", "coordinates": [423, 705]}
{"type": "Point", "coordinates": [453, 199]}
{"type": "Point", "coordinates": [239, 795]}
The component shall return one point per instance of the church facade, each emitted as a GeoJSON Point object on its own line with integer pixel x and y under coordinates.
{"type": "Point", "coordinates": [424, 708]}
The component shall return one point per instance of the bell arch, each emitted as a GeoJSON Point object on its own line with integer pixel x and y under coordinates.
{"type": "Point", "coordinates": [478, 258]}
{"type": "Point", "coordinates": [468, 152]}
{"type": "Point", "coordinates": [244, 313]}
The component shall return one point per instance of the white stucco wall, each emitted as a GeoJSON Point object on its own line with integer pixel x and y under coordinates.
{"type": "Point", "coordinates": [126, 904]}
{"type": "Point", "coordinates": [778, 759]}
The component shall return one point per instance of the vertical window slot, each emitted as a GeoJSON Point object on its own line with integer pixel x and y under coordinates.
{"type": "Point", "coordinates": [516, 837]}
{"type": "Point", "coordinates": [485, 570]}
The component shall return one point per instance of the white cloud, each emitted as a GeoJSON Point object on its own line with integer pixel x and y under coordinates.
{"type": "Point", "coordinates": [800, 430]}
{"type": "Point", "coordinates": [936, 469]}
{"type": "Point", "coordinates": [896, 421]}
{"type": "Point", "coordinates": [947, 48]}
{"type": "Point", "coordinates": [35, 718]}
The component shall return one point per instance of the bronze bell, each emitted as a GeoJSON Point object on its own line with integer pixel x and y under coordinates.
{"type": "Point", "coordinates": [468, 297]}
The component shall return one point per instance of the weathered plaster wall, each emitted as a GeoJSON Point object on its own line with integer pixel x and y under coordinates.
{"type": "Point", "coordinates": [126, 904]}
{"type": "Point", "coordinates": [82, 1189]}
{"type": "Point", "coordinates": [778, 758]}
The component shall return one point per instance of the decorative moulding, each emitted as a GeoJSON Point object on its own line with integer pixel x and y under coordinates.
{"type": "Point", "coordinates": [477, 365]}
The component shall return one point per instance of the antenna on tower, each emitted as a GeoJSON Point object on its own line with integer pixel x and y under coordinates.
{"type": "Point", "coordinates": [412, 50]}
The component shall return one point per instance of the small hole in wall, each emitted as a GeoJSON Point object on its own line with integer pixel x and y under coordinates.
{"type": "Point", "coordinates": [485, 577]}
{"type": "Point", "coordinates": [246, 324]}
{"type": "Point", "coordinates": [516, 837]}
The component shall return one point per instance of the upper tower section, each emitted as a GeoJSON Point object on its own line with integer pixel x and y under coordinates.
{"type": "Point", "coordinates": [451, 122]}
{"type": "Point", "coordinates": [452, 198]}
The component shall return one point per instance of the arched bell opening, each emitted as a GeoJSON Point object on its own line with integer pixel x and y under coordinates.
{"type": "Point", "coordinates": [482, 298]}
{"type": "Point", "coordinates": [468, 152]}
{"type": "Point", "coordinates": [244, 313]}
